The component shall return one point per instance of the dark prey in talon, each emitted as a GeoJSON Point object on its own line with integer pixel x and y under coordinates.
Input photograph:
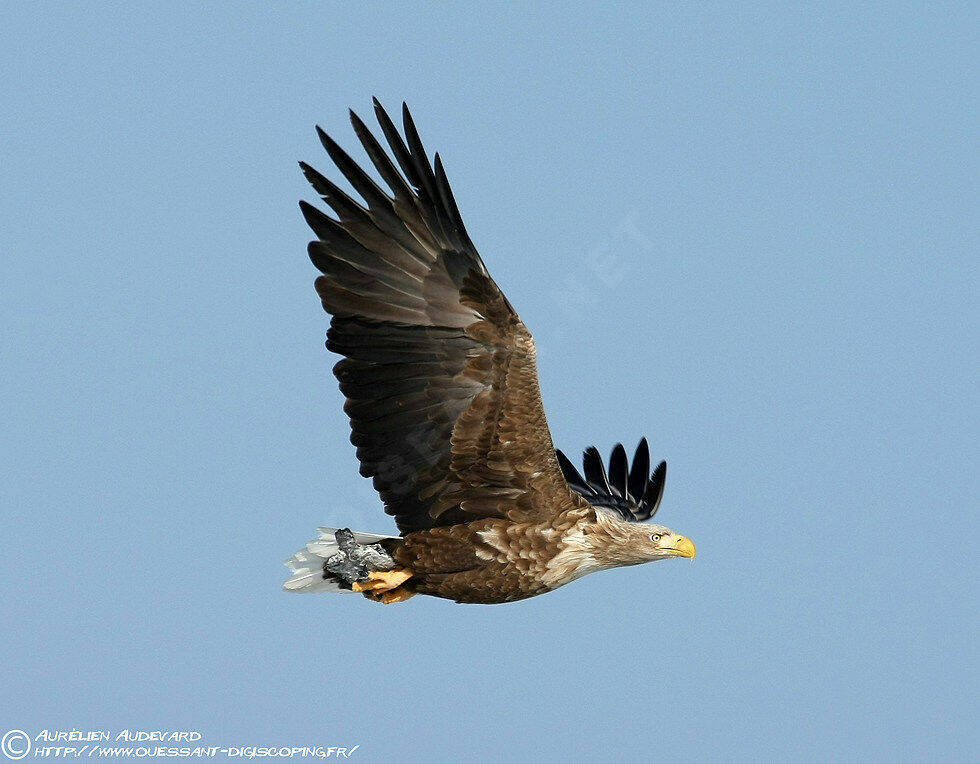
{"type": "Point", "coordinates": [440, 378]}
{"type": "Point", "coordinates": [354, 562]}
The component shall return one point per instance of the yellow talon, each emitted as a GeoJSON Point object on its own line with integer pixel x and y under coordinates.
{"type": "Point", "coordinates": [383, 581]}
{"type": "Point", "coordinates": [400, 594]}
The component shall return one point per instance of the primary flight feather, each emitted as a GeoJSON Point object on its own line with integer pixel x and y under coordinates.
{"type": "Point", "coordinates": [440, 377]}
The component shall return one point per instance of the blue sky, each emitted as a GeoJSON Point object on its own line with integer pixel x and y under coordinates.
{"type": "Point", "coordinates": [748, 233]}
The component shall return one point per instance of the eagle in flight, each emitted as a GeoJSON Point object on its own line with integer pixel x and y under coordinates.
{"type": "Point", "coordinates": [440, 377]}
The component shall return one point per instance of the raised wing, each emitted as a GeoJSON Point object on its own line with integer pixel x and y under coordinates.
{"type": "Point", "coordinates": [631, 491]}
{"type": "Point", "coordinates": [439, 370]}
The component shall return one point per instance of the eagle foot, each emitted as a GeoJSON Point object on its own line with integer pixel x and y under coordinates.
{"type": "Point", "coordinates": [381, 581]}
{"type": "Point", "coordinates": [398, 594]}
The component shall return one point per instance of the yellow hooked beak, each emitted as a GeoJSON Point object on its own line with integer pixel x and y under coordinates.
{"type": "Point", "coordinates": [683, 547]}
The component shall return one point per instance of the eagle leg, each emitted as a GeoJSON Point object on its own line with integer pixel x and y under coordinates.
{"type": "Point", "coordinates": [382, 580]}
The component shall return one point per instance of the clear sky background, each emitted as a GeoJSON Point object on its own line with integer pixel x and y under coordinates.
{"type": "Point", "coordinates": [748, 232]}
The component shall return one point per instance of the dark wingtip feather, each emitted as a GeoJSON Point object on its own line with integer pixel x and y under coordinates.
{"type": "Point", "coordinates": [572, 475]}
{"type": "Point", "coordinates": [595, 470]}
{"type": "Point", "coordinates": [619, 470]}
{"type": "Point", "coordinates": [402, 155]}
{"type": "Point", "coordinates": [308, 172]}
{"type": "Point", "coordinates": [640, 471]}
{"type": "Point", "coordinates": [333, 149]}
{"type": "Point", "coordinates": [462, 238]}
{"type": "Point", "coordinates": [320, 184]}
{"type": "Point", "coordinates": [565, 463]}
{"type": "Point", "coordinates": [315, 218]}
{"type": "Point", "coordinates": [629, 490]}
{"type": "Point", "coordinates": [420, 159]}
{"type": "Point", "coordinates": [655, 491]}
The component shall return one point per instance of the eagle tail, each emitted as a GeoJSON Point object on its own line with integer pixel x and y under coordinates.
{"type": "Point", "coordinates": [308, 563]}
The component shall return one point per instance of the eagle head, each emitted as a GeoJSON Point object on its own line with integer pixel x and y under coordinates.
{"type": "Point", "coordinates": [657, 542]}
{"type": "Point", "coordinates": [617, 542]}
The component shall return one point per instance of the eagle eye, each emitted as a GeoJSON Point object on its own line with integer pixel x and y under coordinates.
{"type": "Point", "coordinates": [655, 537]}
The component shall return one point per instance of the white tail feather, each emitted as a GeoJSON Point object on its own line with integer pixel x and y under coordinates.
{"type": "Point", "coordinates": [307, 563]}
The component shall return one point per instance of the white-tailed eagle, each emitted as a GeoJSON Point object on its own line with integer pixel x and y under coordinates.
{"type": "Point", "coordinates": [442, 393]}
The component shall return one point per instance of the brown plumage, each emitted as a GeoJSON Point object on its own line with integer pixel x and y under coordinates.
{"type": "Point", "coordinates": [440, 377]}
